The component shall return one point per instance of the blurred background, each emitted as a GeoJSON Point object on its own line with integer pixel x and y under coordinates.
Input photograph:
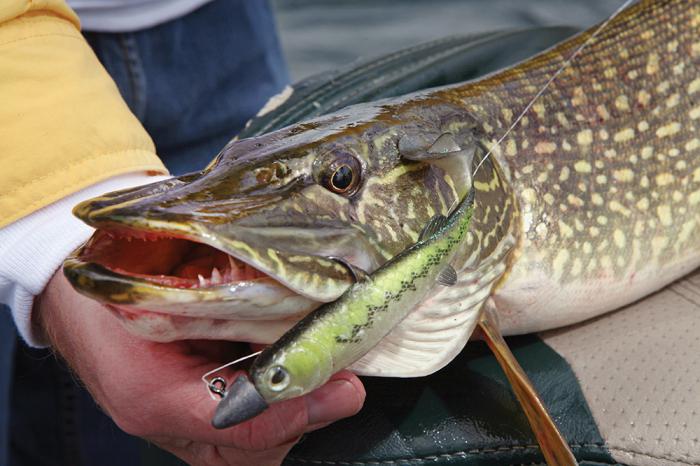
{"type": "Point", "coordinates": [319, 35]}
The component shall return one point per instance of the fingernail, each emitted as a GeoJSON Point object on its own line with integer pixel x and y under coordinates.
{"type": "Point", "coordinates": [335, 400]}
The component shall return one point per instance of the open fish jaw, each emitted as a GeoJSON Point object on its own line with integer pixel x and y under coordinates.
{"type": "Point", "coordinates": [254, 236]}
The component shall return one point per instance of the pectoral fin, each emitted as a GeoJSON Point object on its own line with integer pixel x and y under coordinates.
{"type": "Point", "coordinates": [553, 445]}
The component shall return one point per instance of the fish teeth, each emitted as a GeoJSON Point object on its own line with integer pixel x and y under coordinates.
{"type": "Point", "coordinates": [232, 263]}
{"type": "Point", "coordinates": [216, 276]}
{"type": "Point", "coordinates": [202, 280]}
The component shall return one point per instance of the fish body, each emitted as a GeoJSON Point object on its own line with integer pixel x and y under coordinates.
{"type": "Point", "coordinates": [588, 204]}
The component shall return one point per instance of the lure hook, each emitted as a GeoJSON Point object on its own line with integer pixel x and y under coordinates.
{"type": "Point", "coordinates": [217, 385]}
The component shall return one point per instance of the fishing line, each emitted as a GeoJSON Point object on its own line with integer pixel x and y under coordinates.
{"type": "Point", "coordinates": [551, 80]}
{"type": "Point", "coordinates": [218, 385]}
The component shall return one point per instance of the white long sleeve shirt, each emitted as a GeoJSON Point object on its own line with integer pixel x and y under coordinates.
{"type": "Point", "coordinates": [34, 247]}
{"type": "Point", "coordinates": [129, 15]}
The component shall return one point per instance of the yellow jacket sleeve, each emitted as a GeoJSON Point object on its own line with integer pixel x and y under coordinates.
{"type": "Point", "coordinates": [63, 124]}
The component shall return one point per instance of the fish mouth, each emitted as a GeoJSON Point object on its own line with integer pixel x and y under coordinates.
{"type": "Point", "coordinates": [170, 270]}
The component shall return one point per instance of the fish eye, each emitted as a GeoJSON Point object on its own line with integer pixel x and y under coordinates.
{"type": "Point", "coordinates": [342, 176]}
{"type": "Point", "coordinates": [278, 378]}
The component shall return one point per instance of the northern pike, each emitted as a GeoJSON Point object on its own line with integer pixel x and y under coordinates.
{"type": "Point", "coordinates": [590, 203]}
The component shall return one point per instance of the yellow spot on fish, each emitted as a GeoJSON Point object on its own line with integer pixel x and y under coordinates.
{"type": "Point", "coordinates": [507, 114]}
{"type": "Point", "coordinates": [624, 175]}
{"type": "Point", "coordinates": [565, 230]}
{"type": "Point", "coordinates": [619, 208]}
{"type": "Point", "coordinates": [694, 86]}
{"type": "Point", "coordinates": [529, 195]}
{"type": "Point", "coordinates": [642, 126]}
{"type": "Point", "coordinates": [564, 175]}
{"type": "Point", "coordinates": [541, 229]}
{"type": "Point", "coordinates": [603, 134]}
{"type": "Point", "coordinates": [632, 74]}
{"type": "Point", "coordinates": [621, 103]}
{"type": "Point", "coordinates": [647, 152]}
{"type": "Point", "coordinates": [672, 46]}
{"type": "Point", "coordinates": [658, 244]}
{"type": "Point", "coordinates": [538, 108]}
{"type": "Point", "coordinates": [587, 248]}
{"type": "Point", "coordinates": [673, 100]}
{"type": "Point", "coordinates": [664, 213]}
{"type": "Point", "coordinates": [510, 147]}
{"type": "Point", "coordinates": [565, 145]}
{"type": "Point", "coordinates": [582, 166]}
{"type": "Point", "coordinates": [574, 200]}
{"type": "Point", "coordinates": [545, 147]}
{"type": "Point", "coordinates": [619, 238]}
{"type": "Point", "coordinates": [694, 113]}
{"type": "Point", "coordinates": [560, 261]}
{"type": "Point", "coordinates": [692, 144]}
{"type": "Point", "coordinates": [601, 179]}
{"type": "Point", "coordinates": [579, 97]}
{"type": "Point", "coordinates": [597, 199]}
{"type": "Point", "coordinates": [602, 112]}
{"type": "Point", "coordinates": [663, 179]}
{"type": "Point", "coordinates": [585, 137]}
{"type": "Point", "coordinates": [694, 197]}
{"type": "Point", "coordinates": [643, 97]}
{"type": "Point", "coordinates": [678, 69]}
{"type": "Point", "coordinates": [653, 62]}
{"type": "Point", "coordinates": [548, 198]}
{"type": "Point", "coordinates": [576, 268]}
{"type": "Point", "coordinates": [624, 135]}
{"type": "Point", "coordinates": [668, 130]}
{"type": "Point", "coordinates": [643, 204]}
{"type": "Point", "coordinates": [561, 118]}
{"type": "Point", "coordinates": [602, 219]}
{"type": "Point", "coordinates": [663, 87]}
{"type": "Point", "coordinates": [644, 182]}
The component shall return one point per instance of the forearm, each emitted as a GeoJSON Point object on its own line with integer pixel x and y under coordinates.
{"type": "Point", "coordinates": [63, 124]}
{"type": "Point", "coordinates": [65, 135]}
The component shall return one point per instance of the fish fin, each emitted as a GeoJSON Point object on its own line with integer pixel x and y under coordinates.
{"type": "Point", "coordinates": [438, 328]}
{"type": "Point", "coordinates": [447, 276]}
{"type": "Point", "coordinates": [433, 226]}
{"type": "Point", "coordinates": [552, 443]}
{"type": "Point", "coordinates": [444, 144]}
{"type": "Point", "coordinates": [418, 150]}
{"type": "Point", "coordinates": [358, 274]}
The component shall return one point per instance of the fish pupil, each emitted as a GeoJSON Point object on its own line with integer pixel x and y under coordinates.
{"type": "Point", "coordinates": [278, 376]}
{"type": "Point", "coordinates": [342, 178]}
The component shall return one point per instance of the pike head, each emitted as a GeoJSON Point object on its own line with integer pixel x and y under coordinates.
{"type": "Point", "coordinates": [253, 236]}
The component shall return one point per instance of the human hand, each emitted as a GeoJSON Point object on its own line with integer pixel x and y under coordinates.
{"type": "Point", "coordinates": [153, 390]}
